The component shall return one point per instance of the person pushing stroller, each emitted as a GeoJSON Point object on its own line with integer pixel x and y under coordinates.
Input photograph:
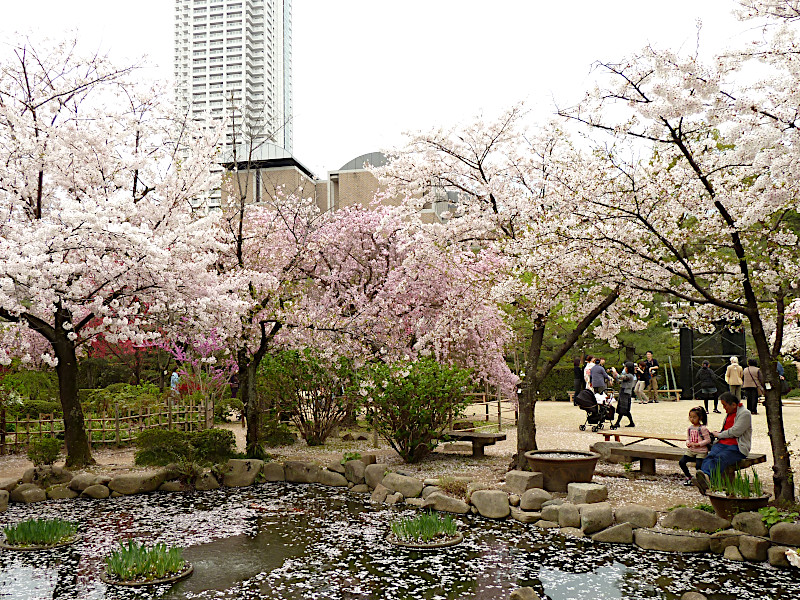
{"type": "Point", "coordinates": [627, 381]}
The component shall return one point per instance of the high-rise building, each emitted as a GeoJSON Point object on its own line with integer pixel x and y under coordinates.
{"type": "Point", "coordinates": [234, 58]}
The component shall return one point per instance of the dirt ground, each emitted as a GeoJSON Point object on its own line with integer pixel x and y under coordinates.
{"type": "Point", "coordinates": [557, 427]}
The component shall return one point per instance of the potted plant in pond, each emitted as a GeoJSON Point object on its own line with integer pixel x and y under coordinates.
{"type": "Point", "coordinates": [740, 494]}
{"type": "Point", "coordinates": [39, 534]}
{"type": "Point", "coordinates": [425, 531]}
{"type": "Point", "coordinates": [136, 565]}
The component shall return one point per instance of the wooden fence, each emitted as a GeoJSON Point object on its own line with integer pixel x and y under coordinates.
{"type": "Point", "coordinates": [493, 410]}
{"type": "Point", "coordinates": [104, 429]}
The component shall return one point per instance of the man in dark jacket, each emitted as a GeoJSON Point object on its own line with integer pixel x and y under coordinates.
{"type": "Point", "coordinates": [600, 377]}
{"type": "Point", "coordinates": [706, 382]}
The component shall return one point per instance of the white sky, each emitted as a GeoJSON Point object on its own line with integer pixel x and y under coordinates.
{"type": "Point", "coordinates": [365, 71]}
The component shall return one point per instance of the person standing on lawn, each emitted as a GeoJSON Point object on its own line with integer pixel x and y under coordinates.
{"type": "Point", "coordinates": [707, 382]}
{"type": "Point", "coordinates": [651, 367]}
{"type": "Point", "coordinates": [641, 382]}
{"type": "Point", "coordinates": [733, 377]}
{"type": "Point", "coordinates": [752, 385]}
{"type": "Point", "coordinates": [732, 441]}
{"type": "Point", "coordinates": [627, 380]}
{"type": "Point", "coordinates": [587, 371]}
{"type": "Point", "coordinates": [599, 377]}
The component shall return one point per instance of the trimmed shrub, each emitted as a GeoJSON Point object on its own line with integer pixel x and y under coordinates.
{"type": "Point", "coordinates": [31, 409]}
{"type": "Point", "coordinates": [212, 445]}
{"type": "Point", "coordinates": [159, 447]}
{"type": "Point", "coordinates": [44, 451]}
{"type": "Point", "coordinates": [33, 385]}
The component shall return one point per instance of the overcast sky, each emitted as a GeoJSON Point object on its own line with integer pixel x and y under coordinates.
{"type": "Point", "coordinates": [365, 71]}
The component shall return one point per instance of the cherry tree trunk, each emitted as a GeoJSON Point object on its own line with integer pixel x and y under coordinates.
{"type": "Point", "coordinates": [526, 424]}
{"type": "Point", "coordinates": [79, 452]}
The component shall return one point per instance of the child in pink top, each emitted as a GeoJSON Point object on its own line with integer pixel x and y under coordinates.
{"type": "Point", "coordinates": [698, 441]}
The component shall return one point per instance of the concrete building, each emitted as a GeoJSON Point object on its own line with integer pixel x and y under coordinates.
{"type": "Point", "coordinates": [234, 58]}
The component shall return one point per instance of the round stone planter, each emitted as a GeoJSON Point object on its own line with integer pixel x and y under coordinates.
{"type": "Point", "coordinates": [729, 506]}
{"type": "Point", "coordinates": [431, 546]}
{"type": "Point", "coordinates": [172, 579]}
{"type": "Point", "coordinates": [69, 542]}
{"type": "Point", "coordinates": [562, 467]}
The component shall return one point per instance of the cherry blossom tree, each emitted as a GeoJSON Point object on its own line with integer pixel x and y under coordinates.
{"type": "Point", "coordinates": [696, 184]}
{"type": "Point", "coordinates": [510, 203]}
{"type": "Point", "coordinates": [96, 235]}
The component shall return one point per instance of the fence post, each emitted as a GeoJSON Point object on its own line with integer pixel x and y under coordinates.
{"type": "Point", "coordinates": [116, 425]}
{"type": "Point", "coordinates": [169, 413]}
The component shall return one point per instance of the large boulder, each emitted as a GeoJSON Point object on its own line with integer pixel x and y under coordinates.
{"type": "Point", "coordinates": [27, 493]}
{"type": "Point", "coordinates": [693, 519]}
{"type": "Point", "coordinates": [369, 458]}
{"type": "Point", "coordinates": [331, 478]}
{"type": "Point", "coordinates": [373, 475]}
{"type": "Point", "coordinates": [379, 494]}
{"type": "Point", "coordinates": [616, 534]}
{"type": "Point", "coordinates": [431, 489]}
{"type": "Point", "coordinates": [336, 466]}
{"type": "Point", "coordinates": [9, 483]}
{"type": "Point", "coordinates": [596, 517]}
{"type": "Point", "coordinates": [636, 515]}
{"type": "Point", "coordinates": [273, 471]}
{"type": "Point", "coordinates": [525, 516]}
{"type": "Point", "coordinates": [722, 539]}
{"type": "Point", "coordinates": [517, 482]}
{"type": "Point", "coordinates": [550, 513]}
{"type": "Point", "coordinates": [136, 483]}
{"type": "Point", "coordinates": [96, 491]}
{"type": "Point", "coordinates": [4, 494]}
{"type": "Point", "coordinates": [474, 486]}
{"type": "Point", "coordinates": [354, 471]}
{"type": "Point", "coordinates": [241, 472]}
{"type": "Point", "coordinates": [671, 541]}
{"type": "Point", "coordinates": [410, 487]}
{"type": "Point", "coordinates": [492, 504]}
{"type": "Point", "coordinates": [750, 523]}
{"type": "Point", "coordinates": [586, 493]}
{"type": "Point", "coordinates": [297, 471]}
{"type": "Point", "coordinates": [776, 555]}
{"type": "Point", "coordinates": [173, 486]}
{"type": "Point", "coordinates": [81, 481]}
{"type": "Point", "coordinates": [732, 553]}
{"type": "Point", "coordinates": [361, 488]}
{"type": "Point", "coordinates": [785, 534]}
{"type": "Point", "coordinates": [206, 482]}
{"type": "Point", "coordinates": [46, 475]}
{"type": "Point", "coordinates": [568, 515]}
{"type": "Point", "coordinates": [443, 503]}
{"type": "Point", "coordinates": [61, 492]}
{"type": "Point", "coordinates": [533, 499]}
{"type": "Point", "coordinates": [753, 548]}
{"type": "Point", "coordinates": [524, 593]}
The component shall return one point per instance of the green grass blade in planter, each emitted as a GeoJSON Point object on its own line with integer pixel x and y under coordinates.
{"type": "Point", "coordinates": [40, 532]}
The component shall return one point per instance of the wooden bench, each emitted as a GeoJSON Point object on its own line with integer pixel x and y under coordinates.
{"type": "Point", "coordinates": [479, 439]}
{"type": "Point", "coordinates": [640, 437]}
{"type": "Point", "coordinates": [648, 455]}
{"type": "Point", "coordinates": [672, 395]}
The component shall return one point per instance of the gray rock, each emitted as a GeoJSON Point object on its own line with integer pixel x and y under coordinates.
{"type": "Point", "coordinates": [9, 483]}
{"type": "Point", "coordinates": [753, 548]}
{"type": "Point", "coordinates": [722, 539]}
{"type": "Point", "coordinates": [206, 482]}
{"type": "Point", "coordinates": [380, 493]}
{"type": "Point", "coordinates": [27, 493]}
{"type": "Point", "coordinates": [513, 500]}
{"type": "Point", "coordinates": [596, 517]}
{"type": "Point", "coordinates": [604, 450]}
{"type": "Point", "coordinates": [636, 515]}
{"type": "Point", "coordinates": [524, 593]}
{"type": "Point", "coordinates": [525, 516]}
{"type": "Point", "coordinates": [46, 475]}
{"type": "Point", "coordinates": [61, 492]}
{"type": "Point", "coordinates": [693, 596]}
{"type": "Point", "coordinates": [410, 487]}
{"type": "Point", "coordinates": [173, 486]}
{"type": "Point", "coordinates": [4, 494]}
{"type": "Point", "coordinates": [81, 481]}
{"type": "Point", "coordinates": [361, 488]}
{"type": "Point", "coordinates": [297, 471]}
{"type": "Point", "coordinates": [97, 491]}
{"type": "Point", "coordinates": [518, 482]}
{"type": "Point", "coordinates": [492, 504]}
{"type": "Point", "coordinates": [692, 519]}
{"type": "Point", "coordinates": [241, 472]}
{"type": "Point", "coordinates": [102, 480]}
{"type": "Point", "coordinates": [136, 483]}
{"type": "Point", "coordinates": [750, 523]}
{"type": "Point", "coordinates": [616, 534]}
{"type": "Point", "coordinates": [354, 471]}
{"type": "Point", "coordinates": [395, 498]}
{"type": "Point", "coordinates": [533, 499]}
{"type": "Point", "coordinates": [114, 494]}
{"type": "Point", "coordinates": [428, 481]}
{"type": "Point", "coordinates": [369, 458]}
{"type": "Point", "coordinates": [273, 471]}
{"type": "Point", "coordinates": [430, 489]}
{"type": "Point", "coordinates": [545, 524]}
{"type": "Point", "coordinates": [554, 502]}
{"type": "Point", "coordinates": [550, 513]}
{"type": "Point", "coordinates": [732, 553]}
{"type": "Point", "coordinates": [776, 555]}
{"type": "Point", "coordinates": [336, 467]}
{"type": "Point", "coordinates": [443, 503]}
{"type": "Point", "coordinates": [331, 478]}
{"type": "Point", "coordinates": [373, 475]}
{"type": "Point", "coordinates": [572, 532]}
{"type": "Point", "coordinates": [785, 534]}
{"type": "Point", "coordinates": [586, 493]}
{"type": "Point", "coordinates": [568, 515]}
{"type": "Point", "coordinates": [672, 541]}
{"type": "Point", "coordinates": [474, 486]}
{"type": "Point", "coordinates": [418, 502]}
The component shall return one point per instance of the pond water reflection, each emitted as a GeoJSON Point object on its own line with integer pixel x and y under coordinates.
{"type": "Point", "coordinates": [299, 542]}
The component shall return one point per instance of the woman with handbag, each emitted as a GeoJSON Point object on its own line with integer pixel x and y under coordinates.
{"type": "Point", "coordinates": [752, 385]}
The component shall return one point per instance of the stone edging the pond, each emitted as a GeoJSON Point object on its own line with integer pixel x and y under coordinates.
{"type": "Point", "coordinates": [584, 513]}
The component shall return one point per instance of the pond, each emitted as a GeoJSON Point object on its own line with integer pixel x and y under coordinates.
{"type": "Point", "coordinates": [299, 542]}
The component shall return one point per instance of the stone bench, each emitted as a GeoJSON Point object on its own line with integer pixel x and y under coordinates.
{"type": "Point", "coordinates": [647, 456]}
{"type": "Point", "coordinates": [479, 439]}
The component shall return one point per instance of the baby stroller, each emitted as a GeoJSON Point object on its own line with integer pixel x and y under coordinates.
{"type": "Point", "coordinates": [596, 414]}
